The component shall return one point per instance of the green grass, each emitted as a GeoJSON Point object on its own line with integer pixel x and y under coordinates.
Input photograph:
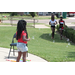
{"type": "Point", "coordinates": [28, 24]}
{"type": "Point", "coordinates": [73, 23]}
{"type": "Point", "coordinates": [5, 24]}
{"type": "Point", "coordinates": [42, 45]}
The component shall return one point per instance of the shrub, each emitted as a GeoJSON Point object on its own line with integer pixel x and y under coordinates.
{"type": "Point", "coordinates": [74, 37]}
{"type": "Point", "coordinates": [32, 14]}
{"type": "Point", "coordinates": [68, 32]}
{"type": "Point", "coordinates": [13, 13]}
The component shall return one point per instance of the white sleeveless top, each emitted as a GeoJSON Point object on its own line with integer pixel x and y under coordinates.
{"type": "Point", "coordinates": [52, 22]}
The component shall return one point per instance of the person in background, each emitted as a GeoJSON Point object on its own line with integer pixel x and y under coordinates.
{"type": "Point", "coordinates": [21, 36]}
{"type": "Point", "coordinates": [61, 26]}
{"type": "Point", "coordinates": [52, 22]}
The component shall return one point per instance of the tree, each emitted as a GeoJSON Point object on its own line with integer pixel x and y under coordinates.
{"type": "Point", "coordinates": [32, 14]}
{"type": "Point", "coordinates": [13, 13]}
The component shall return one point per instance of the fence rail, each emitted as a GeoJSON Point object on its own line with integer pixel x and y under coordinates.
{"type": "Point", "coordinates": [13, 20]}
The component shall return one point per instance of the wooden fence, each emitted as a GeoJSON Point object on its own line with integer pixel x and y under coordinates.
{"type": "Point", "coordinates": [14, 20]}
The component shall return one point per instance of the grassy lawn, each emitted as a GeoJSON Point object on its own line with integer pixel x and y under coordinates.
{"type": "Point", "coordinates": [42, 45]}
{"type": "Point", "coordinates": [73, 23]}
{"type": "Point", "coordinates": [28, 24]}
{"type": "Point", "coordinates": [5, 24]}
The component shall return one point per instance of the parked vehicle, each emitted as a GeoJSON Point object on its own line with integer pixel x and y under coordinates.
{"type": "Point", "coordinates": [69, 14]}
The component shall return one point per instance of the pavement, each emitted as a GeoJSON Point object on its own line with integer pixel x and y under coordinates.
{"type": "Point", "coordinates": [41, 26]}
{"type": "Point", "coordinates": [4, 56]}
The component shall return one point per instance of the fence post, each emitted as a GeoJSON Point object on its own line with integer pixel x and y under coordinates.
{"type": "Point", "coordinates": [34, 23]}
{"type": "Point", "coordinates": [22, 18]}
{"type": "Point", "coordinates": [11, 20]}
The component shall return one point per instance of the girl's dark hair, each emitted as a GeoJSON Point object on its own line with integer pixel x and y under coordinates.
{"type": "Point", "coordinates": [52, 18]}
{"type": "Point", "coordinates": [21, 25]}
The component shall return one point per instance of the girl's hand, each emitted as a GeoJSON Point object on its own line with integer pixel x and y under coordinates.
{"type": "Point", "coordinates": [49, 23]}
{"type": "Point", "coordinates": [28, 39]}
{"type": "Point", "coordinates": [54, 23]}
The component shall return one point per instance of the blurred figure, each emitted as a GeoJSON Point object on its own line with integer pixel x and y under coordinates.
{"type": "Point", "coordinates": [52, 22]}
{"type": "Point", "coordinates": [61, 27]}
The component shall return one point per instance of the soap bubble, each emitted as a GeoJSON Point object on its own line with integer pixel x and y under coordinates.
{"type": "Point", "coordinates": [33, 37]}
{"type": "Point", "coordinates": [68, 43]}
{"type": "Point", "coordinates": [66, 46]}
{"type": "Point", "coordinates": [49, 34]}
{"type": "Point", "coordinates": [53, 41]}
{"type": "Point", "coordinates": [67, 39]}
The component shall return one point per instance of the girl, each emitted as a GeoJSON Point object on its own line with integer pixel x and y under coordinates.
{"type": "Point", "coordinates": [61, 28]}
{"type": "Point", "coordinates": [22, 40]}
{"type": "Point", "coordinates": [53, 22]}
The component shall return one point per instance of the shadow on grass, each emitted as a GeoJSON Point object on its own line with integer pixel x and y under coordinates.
{"type": "Point", "coordinates": [46, 36]}
{"type": "Point", "coordinates": [71, 55]}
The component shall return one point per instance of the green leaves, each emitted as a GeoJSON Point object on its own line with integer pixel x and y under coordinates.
{"type": "Point", "coordinates": [69, 33]}
{"type": "Point", "coordinates": [32, 14]}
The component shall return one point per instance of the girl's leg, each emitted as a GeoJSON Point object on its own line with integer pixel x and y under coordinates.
{"type": "Point", "coordinates": [19, 56]}
{"type": "Point", "coordinates": [52, 32]}
{"type": "Point", "coordinates": [61, 32]}
{"type": "Point", "coordinates": [24, 56]}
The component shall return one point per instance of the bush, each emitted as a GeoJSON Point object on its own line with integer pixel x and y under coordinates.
{"type": "Point", "coordinates": [32, 14]}
{"type": "Point", "coordinates": [26, 15]}
{"type": "Point", "coordinates": [68, 32]}
{"type": "Point", "coordinates": [74, 37]}
{"type": "Point", "coordinates": [13, 13]}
